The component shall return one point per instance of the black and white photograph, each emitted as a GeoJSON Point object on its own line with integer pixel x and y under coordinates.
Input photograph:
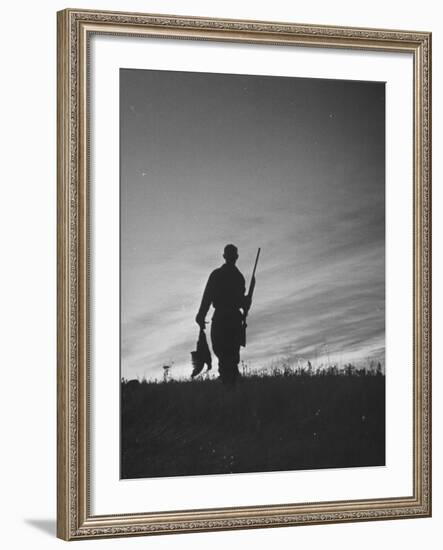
{"type": "Point", "coordinates": [252, 273]}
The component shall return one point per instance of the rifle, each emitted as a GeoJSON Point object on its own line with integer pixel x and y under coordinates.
{"type": "Point", "coordinates": [249, 296]}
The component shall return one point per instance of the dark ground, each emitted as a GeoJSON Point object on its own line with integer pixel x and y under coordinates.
{"type": "Point", "coordinates": [264, 424]}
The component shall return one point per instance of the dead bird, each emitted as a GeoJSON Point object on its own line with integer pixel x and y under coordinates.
{"type": "Point", "coordinates": [201, 356]}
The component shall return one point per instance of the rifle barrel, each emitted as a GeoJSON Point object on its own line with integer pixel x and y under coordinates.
{"type": "Point", "coordinates": [256, 262]}
{"type": "Point", "coordinates": [253, 273]}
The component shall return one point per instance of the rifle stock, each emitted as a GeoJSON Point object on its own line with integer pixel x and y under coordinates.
{"type": "Point", "coordinates": [249, 295]}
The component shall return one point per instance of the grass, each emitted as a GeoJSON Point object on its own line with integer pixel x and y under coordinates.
{"type": "Point", "coordinates": [266, 423]}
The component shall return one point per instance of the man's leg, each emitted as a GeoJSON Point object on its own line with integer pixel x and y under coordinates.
{"type": "Point", "coordinates": [223, 370]}
{"type": "Point", "coordinates": [226, 346]}
{"type": "Point", "coordinates": [228, 368]}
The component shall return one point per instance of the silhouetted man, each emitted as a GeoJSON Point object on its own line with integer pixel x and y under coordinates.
{"type": "Point", "coordinates": [225, 291]}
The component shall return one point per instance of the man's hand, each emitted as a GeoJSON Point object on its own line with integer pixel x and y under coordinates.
{"type": "Point", "coordinates": [200, 320]}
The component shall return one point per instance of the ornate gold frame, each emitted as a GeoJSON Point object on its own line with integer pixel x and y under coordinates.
{"type": "Point", "coordinates": [74, 520]}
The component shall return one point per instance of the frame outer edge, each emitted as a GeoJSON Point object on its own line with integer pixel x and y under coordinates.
{"type": "Point", "coordinates": [422, 289]}
{"type": "Point", "coordinates": [71, 511]}
{"type": "Point", "coordinates": [427, 222]}
{"type": "Point", "coordinates": [429, 143]}
{"type": "Point", "coordinates": [63, 242]}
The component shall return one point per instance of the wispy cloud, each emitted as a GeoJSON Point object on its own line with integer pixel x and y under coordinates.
{"type": "Point", "coordinates": [332, 296]}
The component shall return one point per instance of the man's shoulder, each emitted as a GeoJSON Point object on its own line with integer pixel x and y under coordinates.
{"type": "Point", "coordinates": [227, 271]}
{"type": "Point", "coordinates": [238, 271]}
{"type": "Point", "coordinates": [215, 274]}
{"type": "Point", "coordinates": [216, 271]}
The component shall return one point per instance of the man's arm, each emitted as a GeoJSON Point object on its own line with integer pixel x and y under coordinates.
{"type": "Point", "coordinates": [206, 302]}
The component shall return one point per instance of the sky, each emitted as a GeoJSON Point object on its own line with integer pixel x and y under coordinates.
{"type": "Point", "coordinates": [294, 166]}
